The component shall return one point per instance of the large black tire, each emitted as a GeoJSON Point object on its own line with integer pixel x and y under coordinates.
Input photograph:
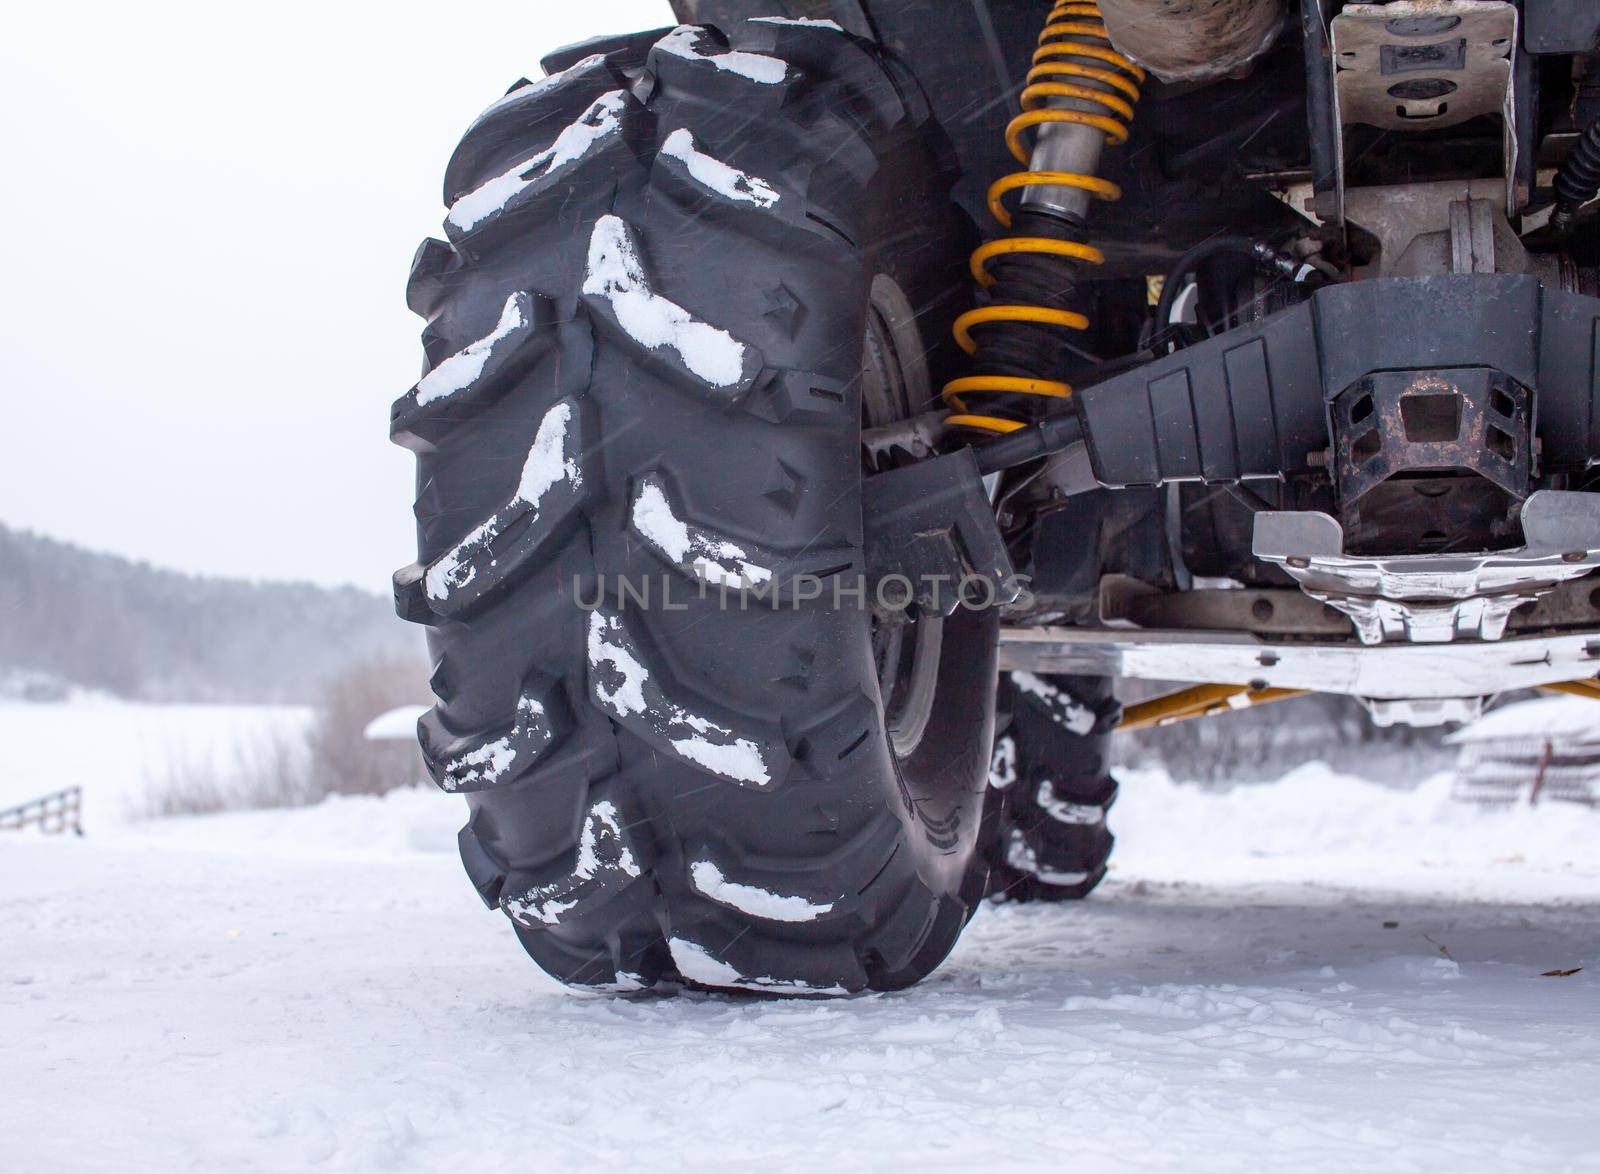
{"type": "Point", "coordinates": [644, 349]}
{"type": "Point", "coordinates": [1050, 787]}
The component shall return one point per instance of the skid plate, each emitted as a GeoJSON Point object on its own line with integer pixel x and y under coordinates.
{"type": "Point", "coordinates": [1381, 671]}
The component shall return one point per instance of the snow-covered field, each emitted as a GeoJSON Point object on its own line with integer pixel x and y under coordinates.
{"type": "Point", "coordinates": [119, 751]}
{"type": "Point", "coordinates": [1317, 974]}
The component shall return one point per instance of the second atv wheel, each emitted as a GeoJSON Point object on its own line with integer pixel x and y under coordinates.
{"type": "Point", "coordinates": [1050, 787]}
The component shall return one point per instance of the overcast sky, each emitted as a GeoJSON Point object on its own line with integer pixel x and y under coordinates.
{"type": "Point", "coordinates": [210, 210]}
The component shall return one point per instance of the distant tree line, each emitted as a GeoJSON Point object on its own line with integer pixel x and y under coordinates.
{"type": "Point", "coordinates": [100, 621]}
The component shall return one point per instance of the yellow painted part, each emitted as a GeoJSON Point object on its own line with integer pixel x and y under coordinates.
{"type": "Point", "coordinates": [1017, 384]}
{"type": "Point", "coordinates": [1102, 189]}
{"type": "Point", "coordinates": [1211, 700]}
{"type": "Point", "coordinates": [1074, 28]}
{"type": "Point", "coordinates": [1077, 49]}
{"type": "Point", "coordinates": [1029, 244]}
{"type": "Point", "coordinates": [1123, 77]}
{"type": "Point", "coordinates": [1074, 69]}
{"type": "Point", "coordinates": [1115, 132]}
{"type": "Point", "coordinates": [1176, 706]}
{"type": "Point", "coordinates": [1589, 689]}
{"type": "Point", "coordinates": [1035, 94]}
{"type": "Point", "coordinates": [985, 423]}
{"type": "Point", "coordinates": [962, 328]}
{"type": "Point", "coordinates": [1199, 701]}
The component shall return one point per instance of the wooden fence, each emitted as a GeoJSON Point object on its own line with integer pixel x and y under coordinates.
{"type": "Point", "coordinates": [1528, 770]}
{"type": "Point", "coordinates": [55, 814]}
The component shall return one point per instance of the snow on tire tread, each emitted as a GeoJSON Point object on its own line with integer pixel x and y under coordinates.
{"type": "Point", "coordinates": [616, 286]}
{"type": "Point", "coordinates": [538, 174]}
{"type": "Point", "coordinates": [550, 488]}
{"type": "Point", "coordinates": [694, 44]}
{"type": "Point", "coordinates": [622, 686]}
{"type": "Point", "coordinates": [605, 862]}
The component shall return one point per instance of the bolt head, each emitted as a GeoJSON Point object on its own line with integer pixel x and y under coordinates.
{"type": "Point", "coordinates": [1298, 561]}
{"type": "Point", "coordinates": [1575, 556]}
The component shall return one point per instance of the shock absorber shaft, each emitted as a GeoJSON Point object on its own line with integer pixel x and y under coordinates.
{"type": "Point", "coordinates": [1079, 95]}
{"type": "Point", "coordinates": [1064, 146]}
{"type": "Point", "coordinates": [1066, 52]}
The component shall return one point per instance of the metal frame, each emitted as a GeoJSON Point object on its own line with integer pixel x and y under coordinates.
{"type": "Point", "coordinates": [1377, 48]}
{"type": "Point", "coordinates": [1383, 672]}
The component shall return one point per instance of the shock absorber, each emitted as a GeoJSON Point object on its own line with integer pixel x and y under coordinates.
{"type": "Point", "coordinates": [1578, 181]}
{"type": "Point", "coordinates": [1079, 95]}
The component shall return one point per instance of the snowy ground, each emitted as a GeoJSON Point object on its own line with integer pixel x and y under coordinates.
{"type": "Point", "coordinates": [118, 751]}
{"type": "Point", "coordinates": [283, 990]}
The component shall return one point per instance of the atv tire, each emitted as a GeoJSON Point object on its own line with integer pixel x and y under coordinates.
{"type": "Point", "coordinates": [645, 374]}
{"type": "Point", "coordinates": [1050, 787]}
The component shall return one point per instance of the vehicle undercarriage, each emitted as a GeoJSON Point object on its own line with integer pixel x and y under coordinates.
{"type": "Point", "coordinates": [1242, 343]}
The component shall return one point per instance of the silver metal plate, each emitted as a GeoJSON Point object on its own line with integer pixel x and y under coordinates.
{"type": "Point", "coordinates": [1427, 711]}
{"type": "Point", "coordinates": [1422, 64]}
{"type": "Point", "coordinates": [1385, 671]}
{"type": "Point", "coordinates": [1434, 598]}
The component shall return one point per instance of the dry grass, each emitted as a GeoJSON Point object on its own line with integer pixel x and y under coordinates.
{"type": "Point", "coordinates": [289, 767]}
{"type": "Point", "coordinates": [267, 769]}
{"type": "Point", "coordinates": [342, 761]}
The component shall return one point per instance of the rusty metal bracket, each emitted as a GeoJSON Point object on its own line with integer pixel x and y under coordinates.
{"type": "Point", "coordinates": [1394, 423]}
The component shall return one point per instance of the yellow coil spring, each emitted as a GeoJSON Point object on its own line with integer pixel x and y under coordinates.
{"type": "Point", "coordinates": [1073, 30]}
